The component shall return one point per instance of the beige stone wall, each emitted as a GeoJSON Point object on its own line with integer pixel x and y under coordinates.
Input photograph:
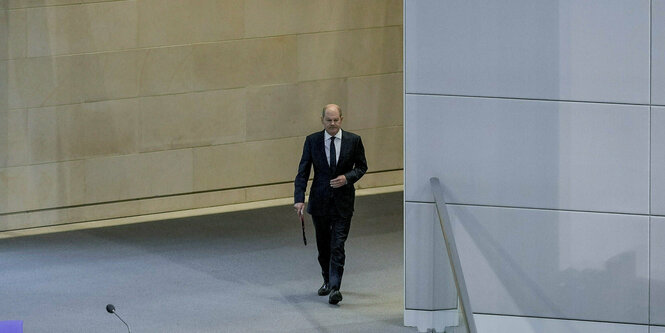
{"type": "Point", "coordinates": [129, 107]}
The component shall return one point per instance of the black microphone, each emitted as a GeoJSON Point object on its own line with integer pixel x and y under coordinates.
{"type": "Point", "coordinates": [111, 309]}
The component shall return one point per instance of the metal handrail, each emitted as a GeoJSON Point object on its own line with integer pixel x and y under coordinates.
{"type": "Point", "coordinates": [451, 247]}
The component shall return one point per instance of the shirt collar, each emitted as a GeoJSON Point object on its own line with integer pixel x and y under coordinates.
{"type": "Point", "coordinates": [328, 136]}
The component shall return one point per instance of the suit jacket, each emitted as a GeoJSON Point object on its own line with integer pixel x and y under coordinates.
{"type": "Point", "coordinates": [351, 163]}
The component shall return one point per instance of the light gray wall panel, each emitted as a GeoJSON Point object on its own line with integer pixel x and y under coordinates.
{"type": "Point", "coordinates": [657, 305]}
{"type": "Point", "coordinates": [658, 160]}
{"type": "Point", "coordinates": [544, 263]}
{"type": "Point", "coordinates": [658, 53]}
{"type": "Point", "coordinates": [565, 50]}
{"type": "Point", "coordinates": [429, 281]}
{"type": "Point", "coordinates": [539, 154]}
{"type": "Point", "coordinates": [506, 324]}
{"type": "Point", "coordinates": [656, 329]}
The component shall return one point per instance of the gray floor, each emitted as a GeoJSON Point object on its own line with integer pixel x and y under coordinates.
{"type": "Point", "coordinates": [234, 272]}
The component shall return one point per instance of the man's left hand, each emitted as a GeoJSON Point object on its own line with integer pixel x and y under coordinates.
{"type": "Point", "coordinates": [338, 182]}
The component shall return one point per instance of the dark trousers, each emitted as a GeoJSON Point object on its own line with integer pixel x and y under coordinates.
{"type": "Point", "coordinates": [331, 233]}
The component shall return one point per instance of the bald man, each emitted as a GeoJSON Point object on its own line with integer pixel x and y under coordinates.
{"type": "Point", "coordinates": [339, 161]}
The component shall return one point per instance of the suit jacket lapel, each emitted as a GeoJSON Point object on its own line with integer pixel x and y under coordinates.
{"type": "Point", "coordinates": [322, 146]}
{"type": "Point", "coordinates": [345, 150]}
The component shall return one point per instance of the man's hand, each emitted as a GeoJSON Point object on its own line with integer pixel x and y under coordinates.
{"type": "Point", "coordinates": [300, 208]}
{"type": "Point", "coordinates": [338, 182]}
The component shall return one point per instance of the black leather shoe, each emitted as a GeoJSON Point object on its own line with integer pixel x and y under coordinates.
{"type": "Point", "coordinates": [324, 290]}
{"type": "Point", "coordinates": [335, 297]}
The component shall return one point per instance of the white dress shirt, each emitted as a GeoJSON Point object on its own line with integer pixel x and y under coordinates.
{"type": "Point", "coordinates": [338, 145]}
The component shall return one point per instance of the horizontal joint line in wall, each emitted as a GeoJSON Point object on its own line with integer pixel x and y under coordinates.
{"type": "Point", "coordinates": [165, 196]}
{"type": "Point", "coordinates": [549, 209]}
{"type": "Point", "coordinates": [536, 208]}
{"type": "Point", "coordinates": [419, 202]}
{"type": "Point", "coordinates": [67, 4]}
{"type": "Point", "coordinates": [567, 319]}
{"type": "Point", "coordinates": [146, 48]}
{"type": "Point", "coordinates": [198, 91]}
{"type": "Point", "coordinates": [141, 152]}
{"type": "Point", "coordinates": [528, 99]}
{"type": "Point", "coordinates": [336, 78]}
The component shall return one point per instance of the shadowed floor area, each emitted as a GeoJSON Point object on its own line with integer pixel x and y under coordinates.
{"type": "Point", "coordinates": [234, 272]}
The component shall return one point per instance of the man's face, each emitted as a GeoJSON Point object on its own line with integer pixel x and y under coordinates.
{"type": "Point", "coordinates": [332, 121]}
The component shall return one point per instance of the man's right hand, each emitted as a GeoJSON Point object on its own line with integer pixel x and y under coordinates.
{"type": "Point", "coordinates": [300, 208]}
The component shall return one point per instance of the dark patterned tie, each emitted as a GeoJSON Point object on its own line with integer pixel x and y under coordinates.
{"type": "Point", "coordinates": [333, 155]}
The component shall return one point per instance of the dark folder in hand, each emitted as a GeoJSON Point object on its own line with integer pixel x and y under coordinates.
{"type": "Point", "coordinates": [302, 223]}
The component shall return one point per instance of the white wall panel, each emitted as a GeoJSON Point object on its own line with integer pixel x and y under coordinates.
{"type": "Point", "coordinates": [565, 50]}
{"type": "Point", "coordinates": [429, 281]}
{"type": "Point", "coordinates": [544, 263]}
{"type": "Point", "coordinates": [658, 160]}
{"type": "Point", "coordinates": [658, 53]}
{"type": "Point", "coordinates": [499, 104]}
{"type": "Point", "coordinates": [539, 154]}
{"type": "Point", "coordinates": [657, 305]}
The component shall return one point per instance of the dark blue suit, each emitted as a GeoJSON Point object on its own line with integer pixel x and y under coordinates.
{"type": "Point", "coordinates": [331, 208]}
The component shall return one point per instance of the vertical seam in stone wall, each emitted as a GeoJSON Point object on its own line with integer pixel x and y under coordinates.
{"type": "Point", "coordinates": [650, 180]}
{"type": "Point", "coordinates": [649, 271]}
{"type": "Point", "coordinates": [404, 153]}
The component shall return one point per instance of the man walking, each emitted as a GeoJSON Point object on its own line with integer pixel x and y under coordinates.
{"type": "Point", "coordinates": [339, 161]}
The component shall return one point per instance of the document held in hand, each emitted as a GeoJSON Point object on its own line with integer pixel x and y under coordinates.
{"type": "Point", "coordinates": [302, 223]}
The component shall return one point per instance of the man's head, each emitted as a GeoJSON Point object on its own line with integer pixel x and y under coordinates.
{"type": "Point", "coordinates": [331, 118]}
